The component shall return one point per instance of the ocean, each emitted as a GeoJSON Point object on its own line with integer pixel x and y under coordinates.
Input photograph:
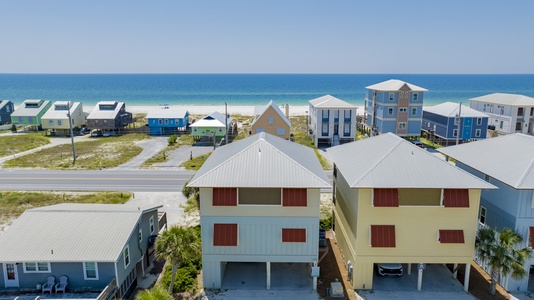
{"type": "Point", "coordinates": [245, 89]}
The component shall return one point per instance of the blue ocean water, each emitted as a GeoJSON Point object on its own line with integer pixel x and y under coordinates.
{"type": "Point", "coordinates": [245, 89]}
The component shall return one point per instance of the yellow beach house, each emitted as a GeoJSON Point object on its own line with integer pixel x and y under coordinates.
{"type": "Point", "coordinates": [272, 121]}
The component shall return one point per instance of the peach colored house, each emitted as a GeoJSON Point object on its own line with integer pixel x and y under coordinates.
{"type": "Point", "coordinates": [272, 121]}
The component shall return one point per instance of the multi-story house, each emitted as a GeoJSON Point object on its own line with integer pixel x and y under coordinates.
{"type": "Point", "coordinates": [508, 113]}
{"type": "Point", "coordinates": [6, 109]}
{"type": "Point", "coordinates": [167, 121]}
{"type": "Point", "coordinates": [273, 121]}
{"type": "Point", "coordinates": [395, 203]}
{"type": "Point", "coordinates": [394, 106]}
{"type": "Point", "coordinates": [332, 121]}
{"type": "Point", "coordinates": [30, 113]}
{"type": "Point", "coordinates": [259, 209]}
{"type": "Point", "coordinates": [508, 163]}
{"type": "Point", "coordinates": [441, 123]}
{"type": "Point", "coordinates": [109, 115]}
{"type": "Point", "coordinates": [57, 117]}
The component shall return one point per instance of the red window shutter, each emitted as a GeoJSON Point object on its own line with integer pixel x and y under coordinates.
{"type": "Point", "coordinates": [383, 236]}
{"type": "Point", "coordinates": [386, 197]}
{"type": "Point", "coordinates": [293, 235]}
{"type": "Point", "coordinates": [451, 236]}
{"type": "Point", "coordinates": [531, 232]}
{"type": "Point", "coordinates": [456, 198]}
{"type": "Point", "coordinates": [225, 235]}
{"type": "Point", "coordinates": [295, 197]}
{"type": "Point", "coordinates": [224, 197]}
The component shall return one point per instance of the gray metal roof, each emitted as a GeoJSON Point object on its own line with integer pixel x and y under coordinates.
{"type": "Point", "coordinates": [394, 85]}
{"type": "Point", "coordinates": [22, 110]}
{"type": "Point", "coordinates": [506, 99]}
{"type": "Point", "coordinates": [215, 119]}
{"type": "Point", "coordinates": [55, 114]}
{"type": "Point", "coordinates": [167, 114]}
{"type": "Point", "coordinates": [450, 109]}
{"type": "Point", "coordinates": [276, 109]}
{"type": "Point", "coordinates": [109, 114]}
{"type": "Point", "coordinates": [507, 158]}
{"type": "Point", "coordinates": [262, 160]}
{"type": "Point", "coordinates": [388, 161]}
{"type": "Point", "coordinates": [70, 233]}
{"type": "Point", "coordinates": [329, 101]}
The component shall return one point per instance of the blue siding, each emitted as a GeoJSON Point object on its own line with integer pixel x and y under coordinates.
{"type": "Point", "coordinates": [172, 123]}
{"type": "Point", "coordinates": [414, 127]}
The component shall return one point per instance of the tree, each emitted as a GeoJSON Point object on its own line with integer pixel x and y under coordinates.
{"type": "Point", "coordinates": [155, 293]}
{"type": "Point", "coordinates": [179, 244]}
{"type": "Point", "coordinates": [499, 252]}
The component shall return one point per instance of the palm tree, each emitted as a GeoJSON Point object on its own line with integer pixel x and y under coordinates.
{"type": "Point", "coordinates": [497, 250]}
{"type": "Point", "coordinates": [156, 293]}
{"type": "Point", "coordinates": [178, 244]}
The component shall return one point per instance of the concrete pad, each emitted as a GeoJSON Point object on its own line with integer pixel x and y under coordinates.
{"type": "Point", "coordinates": [261, 295]}
{"type": "Point", "coordinates": [252, 276]}
{"type": "Point", "coordinates": [171, 202]}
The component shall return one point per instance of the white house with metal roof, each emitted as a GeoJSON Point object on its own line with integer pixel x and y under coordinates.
{"type": "Point", "coordinates": [332, 121]}
{"type": "Point", "coordinates": [259, 208]}
{"type": "Point", "coordinates": [508, 163]}
{"type": "Point", "coordinates": [57, 117]}
{"type": "Point", "coordinates": [211, 125]}
{"type": "Point", "coordinates": [94, 245]}
{"type": "Point", "coordinates": [395, 203]}
{"type": "Point", "coordinates": [272, 120]}
{"type": "Point", "coordinates": [508, 113]}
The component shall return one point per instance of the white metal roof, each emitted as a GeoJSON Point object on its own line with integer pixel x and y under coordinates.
{"type": "Point", "coordinates": [22, 110]}
{"type": "Point", "coordinates": [450, 109]}
{"type": "Point", "coordinates": [70, 233]}
{"type": "Point", "coordinates": [394, 85]}
{"type": "Point", "coordinates": [508, 158]}
{"type": "Point", "coordinates": [329, 101]}
{"type": "Point", "coordinates": [215, 119]}
{"type": "Point", "coordinates": [276, 109]}
{"type": "Point", "coordinates": [4, 103]}
{"type": "Point", "coordinates": [167, 114]}
{"type": "Point", "coordinates": [262, 160]}
{"type": "Point", "coordinates": [388, 161]}
{"type": "Point", "coordinates": [109, 114]}
{"type": "Point", "coordinates": [506, 99]}
{"type": "Point", "coordinates": [52, 113]}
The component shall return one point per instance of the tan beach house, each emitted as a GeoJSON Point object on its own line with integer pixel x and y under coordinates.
{"type": "Point", "coordinates": [273, 121]}
{"type": "Point", "coordinates": [57, 117]}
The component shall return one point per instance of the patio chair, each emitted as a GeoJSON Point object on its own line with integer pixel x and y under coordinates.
{"type": "Point", "coordinates": [63, 281]}
{"type": "Point", "coordinates": [49, 285]}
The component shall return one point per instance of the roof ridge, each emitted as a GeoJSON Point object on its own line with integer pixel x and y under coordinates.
{"type": "Point", "coordinates": [527, 171]}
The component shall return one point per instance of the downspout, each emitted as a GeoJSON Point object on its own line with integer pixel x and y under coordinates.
{"type": "Point", "coordinates": [139, 246]}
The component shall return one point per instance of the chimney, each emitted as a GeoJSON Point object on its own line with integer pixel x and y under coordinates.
{"type": "Point", "coordinates": [287, 110]}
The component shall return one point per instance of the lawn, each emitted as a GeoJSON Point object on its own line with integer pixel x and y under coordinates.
{"type": "Point", "coordinates": [196, 162]}
{"type": "Point", "coordinates": [102, 153]}
{"type": "Point", "coordinates": [13, 144]}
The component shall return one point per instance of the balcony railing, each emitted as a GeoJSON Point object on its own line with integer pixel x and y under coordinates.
{"type": "Point", "coordinates": [109, 291]}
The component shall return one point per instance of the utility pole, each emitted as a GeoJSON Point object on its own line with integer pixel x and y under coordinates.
{"type": "Point", "coordinates": [307, 128]}
{"type": "Point", "coordinates": [71, 134]}
{"type": "Point", "coordinates": [226, 123]}
{"type": "Point", "coordinates": [459, 123]}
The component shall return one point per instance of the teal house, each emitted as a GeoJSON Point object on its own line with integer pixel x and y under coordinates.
{"type": "Point", "coordinates": [167, 121]}
{"type": "Point", "coordinates": [30, 112]}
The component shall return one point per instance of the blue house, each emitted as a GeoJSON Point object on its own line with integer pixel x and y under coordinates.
{"type": "Point", "coordinates": [6, 108]}
{"type": "Point", "coordinates": [394, 106]}
{"type": "Point", "coordinates": [97, 246]}
{"type": "Point", "coordinates": [167, 121]}
{"type": "Point", "coordinates": [508, 163]}
{"type": "Point", "coordinates": [440, 123]}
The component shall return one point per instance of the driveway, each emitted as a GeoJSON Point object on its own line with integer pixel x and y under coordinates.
{"type": "Point", "coordinates": [151, 147]}
{"type": "Point", "coordinates": [177, 156]}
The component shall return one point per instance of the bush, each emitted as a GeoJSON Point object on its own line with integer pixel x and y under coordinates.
{"type": "Point", "coordinates": [13, 128]}
{"type": "Point", "coordinates": [326, 223]}
{"type": "Point", "coordinates": [172, 139]}
{"type": "Point", "coordinates": [186, 278]}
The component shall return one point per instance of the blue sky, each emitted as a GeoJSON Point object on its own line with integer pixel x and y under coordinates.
{"type": "Point", "coordinates": [270, 36]}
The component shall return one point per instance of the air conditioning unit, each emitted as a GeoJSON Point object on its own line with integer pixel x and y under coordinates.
{"type": "Point", "coordinates": [336, 290]}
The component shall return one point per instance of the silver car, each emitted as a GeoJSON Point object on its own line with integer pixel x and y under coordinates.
{"type": "Point", "coordinates": [390, 269]}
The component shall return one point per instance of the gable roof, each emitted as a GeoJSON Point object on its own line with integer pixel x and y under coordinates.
{"type": "Point", "coordinates": [393, 85]}
{"type": "Point", "coordinates": [167, 114]}
{"type": "Point", "coordinates": [450, 109]}
{"type": "Point", "coordinates": [109, 114]}
{"type": "Point", "coordinates": [388, 161]}
{"type": "Point", "coordinates": [277, 110]}
{"type": "Point", "coordinates": [22, 110]}
{"type": "Point", "coordinates": [507, 158]}
{"type": "Point", "coordinates": [329, 101]}
{"type": "Point", "coordinates": [215, 119]}
{"type": "Point", "coordinates": [262, 160]}
{"type": "Point", "coordinates": [54, 113]}
{"type": "Point", "coordinates": [4, 103]}
{"type": "Point", "coordinates": [71, 233]}
{"type": "Point", "coordinates": [506, 99]}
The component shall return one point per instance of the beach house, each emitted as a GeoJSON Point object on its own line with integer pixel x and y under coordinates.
{"type": "Point", "coordinates": [259, 214]}
{"type": "Point", "coordinates": [441, 123]}
{"type": "Point", "coordinates": [212, 125]}
{"type": "Point", "coordinates": [30, 112]}
{"type": "Point", "coordinates": [109, 115]}
{"type": "Point", "coordinates": [6, 109]}
{"type": "Point", "coordinates": [271, 120]}
{"type": "Point", "coordinates": [96, 246]}
{"type": "Point", "coordinates": [395, 203]}
{"type": "Point", "coordinates": [331, 121]}
{"type": "Point", "coordinates": [394, 106]}
{"type": "Point", "coordinates": [57, 117]}
{"type": "Point", "coordinates": [508, 163]}
{"type": "Point", "coordinates": [508, 113]}
{"type": "Point", "coordinates": [167, 121]}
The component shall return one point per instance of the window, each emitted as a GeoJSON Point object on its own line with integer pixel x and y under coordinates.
{"type": "Point", "coordinates": [402, 125]}
{"type": "Point", "coordinates": [502, 109]}
{"type": "Point", "coordinates": [419, 197]}
{"type": "Point", "coordinates": [59, 122]}
{"type": "Point", "coordinates": [151, 224]}
{"type": "Point", "coordinates": [258, 130]}
{"type": "Point", "coordinates": [30, 120]}
{"type": "Point", "coordinates": [295, 197]}
{"type": "Point", "coordinates": [37, 267]}
{"type": "Point", "coordinates": [176, 121]}
{"type": "Point", "coordinates": [270, 119]}
{"type": "Point", "coordinates": [501, 125]}
{"type": "Point", "coordinates": [391, 96]}
{"type": "Point", "coordinates": [220, 129]}
{"type": "Point", "coordinates": [293, 235]}
{"type": "Point", "coordinates": [260, 196]}
{"type": "Point", "coordinates": [325, 113]}
{"type": "Point", "coordinates": [346, 129]}
{"type": "Point", "coordinates": [90, 271]}
{"type": "Point", "coordinates": [414, 111]}
{"type": "Point", "coordinates": [456, 120]}
{"type": "Point", "coordinates": [160, 121]}
{"type": "Point", "coordinates": [455, 132]}
{"type": "Point", "coordinates": [451, 236]}
{"type": "Point", "coordinates": [414, 96]}
{"type": "Point", "coordinates": [194, 129]}
{"type": "Point", "coordinates": [478, 132]}
{"type": "Point", "coordinates": [280, 131]}
{"type": "Point", "coordinates": [50, 122]}
{"type": "Point", "coordinates": [224, 234]}
{"type": "Point", "coordinates": [390, 111]}
{"type": "Point", "coordinates": [482, 218]}
{"type": "Point", "coordinates": [224, 197]}
{"type": "Point", "coordinates": [487, 178]}
{"type": "Point", "coordinates": [348, 114]}
{"type": "Point", "coordinates": [382, 236]}
{"type": "Point", "coordinates": [385, 197]}
{"type": "Point", "coordinates": [479, 121]}
{"type": "Point", "coordinates": [455, 198]}
{"type": "Point", "coordinates": [325, 129]}
{"type": "Point", "coordinates": [126, 254]}
{"type": "Point", "coordinates": [166, 121]}
{"type": "Point", "coordinates": [403, 109]}
{"type": "Point", "coordinates": [140, 235]}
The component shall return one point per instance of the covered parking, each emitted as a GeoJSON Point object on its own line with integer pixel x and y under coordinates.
{"type": "Point", "coordinates": [254, 275]}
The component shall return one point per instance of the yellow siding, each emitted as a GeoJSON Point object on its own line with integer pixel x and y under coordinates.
{"type": "Point", "coordinates": [271, 128]}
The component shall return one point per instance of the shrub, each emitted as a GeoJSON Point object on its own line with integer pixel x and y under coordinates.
{"type": "Point", "coordinates": [186, 278]}
{"type": "Point", "coordinates": [13, 128]}
{"type": "Point", "coordinates": [326, 223]}
{"type": "Point", "coordinates": [172, 139]}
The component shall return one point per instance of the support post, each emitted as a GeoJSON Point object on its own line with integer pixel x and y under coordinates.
{"type": "Point", "coordinates": [455, 271]}
{"type": "Point", "coordinates": [315, 278]}
{"type": "Point", "coordinates": [71, 134]}
{"type": "Point", "coordinates": [419, 279]}
{"type": "Point", "coordinates": [268, 275]}
{"type": "Point", "coordinates": [226, 123]}
{"type": "Point", "coordinates": [466, 277]}
{"type": "Point", "coordinates": [409, 268]}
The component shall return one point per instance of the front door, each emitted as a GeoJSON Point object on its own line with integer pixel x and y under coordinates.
{"type": "Point", "coordinates": [10, 274]}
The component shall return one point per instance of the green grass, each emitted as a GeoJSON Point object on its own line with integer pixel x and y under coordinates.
{"type": "Point", "coordinates": [196, 162]}
{"type": "Point", "coordinates": [17, 143]}
{"type": "Point", "coordinates": [429, 144]}
{"type": "Point", "coordinates": [107, 152]}
{"type": "Point", "coordinates": [13, 204]}
{"type": "Point", "coordinates": [185, 139]}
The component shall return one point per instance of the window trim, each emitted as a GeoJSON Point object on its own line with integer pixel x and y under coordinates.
{"type": "Point", "coordinates": [482, 209]}
{"type": "Point", "coordinates": [479, 121]}
{"type": "Point", "coordinates": [478, 133]}
{"type": "Point", "coordinates": [126, 255]}
{"type": "Point", "coordinates": [85, 271]}
{"type": "Point", "coordinates": [401, 127]}
{"type": "Point", "coordinates": [49, 270]}
{"type": "Point", "coordinates": [403, 109]}
{"type": "Point", "coordinates": [140, 235]}
{"type": "Point", "coordinates": [391, 96]}
{"type": "Point", "coordinates": [151, 223]}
